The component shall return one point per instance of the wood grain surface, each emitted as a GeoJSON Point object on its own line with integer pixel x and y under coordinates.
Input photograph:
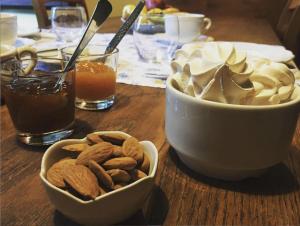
{"type": "Point", "coordinates": [180, 197]}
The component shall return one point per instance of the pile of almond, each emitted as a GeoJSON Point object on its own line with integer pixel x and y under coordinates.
{"type": "Point", "coordinates": [105, 163]}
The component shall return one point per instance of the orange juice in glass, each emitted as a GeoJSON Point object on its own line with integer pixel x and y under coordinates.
{"type": "Point", "coordinates": [95, 77]}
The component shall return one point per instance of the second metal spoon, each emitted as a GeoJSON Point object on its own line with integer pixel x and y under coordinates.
{"type": "Point", "coordinates": [101, 13]}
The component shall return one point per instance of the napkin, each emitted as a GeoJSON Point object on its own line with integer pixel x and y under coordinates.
{"type": "Point", "coordinates": [275, 53]}
{"type": "Point", "coordinates": [131, 69]}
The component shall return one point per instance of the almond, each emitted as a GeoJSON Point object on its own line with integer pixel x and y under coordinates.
{"type": "Point", "coordinates": [99, 152]}
{"type": "Point", "coordinates": [137, 174]}
{"type": "Point", "coordinates": [132, 148]}
{"type": "Point", "coordinates": [102, 190]}
{"type": "Point", "coordinates": [116, 139]}
{"type": "Point", "coordinates": [82, 180]}
{"type": "Point", "coordinates": [119, 175]}
{"type": "Point", "coordinates": [66, 158]}
{"type": "Point", "coordinates": [125, 163]}
{"type": "Point", "coordinates": [120, 185]}
{"type": "Point", "coordinates": [94, 138]}
{"type": "Point", "coordinates": [145, 166]}
{"type": "Point", "coordinates": [55, 173]}
{"type": "Point", "coordinates": [101, 174]}
{"type": "Point", "coordinates": [118, 152]}
{"type": "Point", "coordinates": [76, 147]}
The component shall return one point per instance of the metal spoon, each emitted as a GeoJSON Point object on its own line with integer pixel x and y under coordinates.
{"type": "Point", "coordinates": [101, 12]}
{"type": "Point", "coordinates": [125, 27]}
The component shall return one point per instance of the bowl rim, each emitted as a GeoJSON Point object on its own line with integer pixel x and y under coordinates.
{"type": "Point", "coordinates": [50, 149]}
{"type": "Point", "coordinates": [219, 105]}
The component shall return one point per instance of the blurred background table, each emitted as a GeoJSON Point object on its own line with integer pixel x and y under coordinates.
{"type": "Point", "coordinates": [181, 197]}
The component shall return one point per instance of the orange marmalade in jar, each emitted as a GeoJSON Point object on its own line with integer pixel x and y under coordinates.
{"type": "Point", "coordinates": [94, 81]}
{"type": "Point", "coordinates": [95, 76]}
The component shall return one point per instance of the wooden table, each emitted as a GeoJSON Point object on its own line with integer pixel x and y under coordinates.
{"type": "Point", "coordinates": [181, 197]}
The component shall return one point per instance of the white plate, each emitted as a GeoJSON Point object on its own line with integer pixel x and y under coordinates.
{"type": "Point", "coordinates": [24, 42]}
{"type": "Point", "coordinates": [275, 53]}
{"type": "Point", "coordinates": [23, 32]}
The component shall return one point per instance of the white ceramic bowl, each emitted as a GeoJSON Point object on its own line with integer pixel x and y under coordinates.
{"type": "Point", "coordinates": [8, 28]}
{"type": "Point", "coordinates": [110, 208]}
{"type": "Point", "coordinates": [228, 141]}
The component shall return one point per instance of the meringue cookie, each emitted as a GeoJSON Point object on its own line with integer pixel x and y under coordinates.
{"type": "Point", "coordinates": [273, 82]}
{"type": "Point", "coordinates": [225, 53]}
{"type": "Point", "coordinates": [200, 72]}
{"type": "Point", "coordinates": [218, 72]}
{"type": "Point", "coordinates": [222, 88]}
{"type": "Point", "coordinates": [183, 81]}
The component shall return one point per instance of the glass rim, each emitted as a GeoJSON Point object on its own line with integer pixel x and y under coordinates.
{"type": "Point", "coordinates": [153, 15]}
{"type": "Point", "coordinates": [42, 74]}
{"type": "Point", "coordinates": [66, 7]}
{"type": "Point", "coordinates": [115, 51]}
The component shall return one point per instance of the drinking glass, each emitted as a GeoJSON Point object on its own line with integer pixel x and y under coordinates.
{"type": "Point", "coordinates": [41, 109]}
{"type": "Point", "coordinates": [95, 76]}
{"type": "Point", "coordinates": [68, 22]}
{"type": "Point", "coordinates": [152, 41]}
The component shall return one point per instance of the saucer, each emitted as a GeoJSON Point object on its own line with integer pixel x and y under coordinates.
{"type": "Point", "coordinates": [24, 42]}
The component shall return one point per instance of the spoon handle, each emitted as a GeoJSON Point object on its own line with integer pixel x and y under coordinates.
{"type": "Point", "coordinates": [125, 27]}
{"type": "Point", "coordinates": [101, 12]}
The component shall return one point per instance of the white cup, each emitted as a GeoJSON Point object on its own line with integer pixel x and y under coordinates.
{"type": "Point", "coordinates": [187, 26]}
{"type": "Point", "coordinates": [8, 28]}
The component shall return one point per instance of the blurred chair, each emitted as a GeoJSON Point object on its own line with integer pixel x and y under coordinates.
{"type": "Point", "coordinates": [40, 8]}
{"type": "Point", "coordinates": [274, 11]}
{"type": "Point", "coordinates": [288, 27]}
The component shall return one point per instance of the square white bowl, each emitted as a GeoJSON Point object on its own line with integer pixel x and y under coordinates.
{"type": "Point", "coordinates": [110, 208]}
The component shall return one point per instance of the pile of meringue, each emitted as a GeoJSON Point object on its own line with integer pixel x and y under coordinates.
{"type": "Point", "coordinates": [218, 72]}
